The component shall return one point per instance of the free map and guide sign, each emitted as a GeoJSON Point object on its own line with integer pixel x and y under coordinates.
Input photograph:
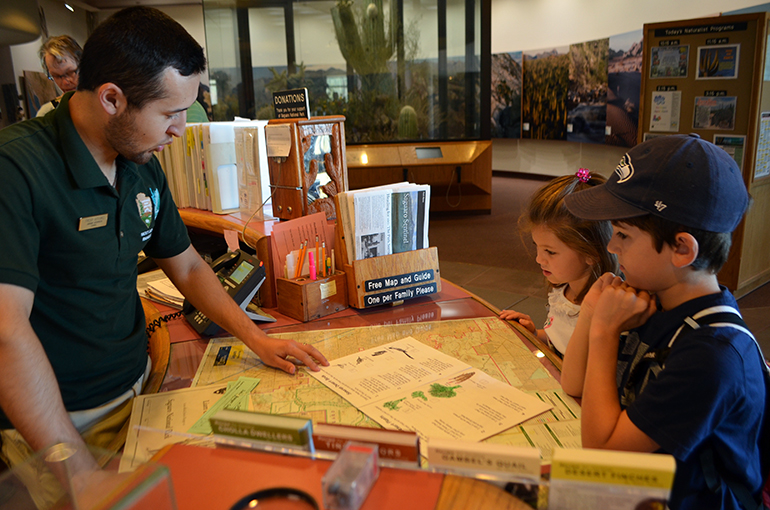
{"type": "Point", "coordinates": [425, 280]}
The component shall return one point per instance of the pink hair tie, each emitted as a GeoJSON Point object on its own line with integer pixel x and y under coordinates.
{"type": "Point", "coordinates": [583, 175]}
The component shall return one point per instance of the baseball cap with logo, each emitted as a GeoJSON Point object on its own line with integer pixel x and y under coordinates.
{"type": "Point", "coordinates": [680, 178]}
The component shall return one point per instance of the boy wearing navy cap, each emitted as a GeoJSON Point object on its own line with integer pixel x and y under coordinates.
{"type": "Point", "coordinates": [652, 378]}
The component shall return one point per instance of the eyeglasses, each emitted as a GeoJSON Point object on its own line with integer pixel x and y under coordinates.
{"type": "Point", "coordinates": [66, 76]}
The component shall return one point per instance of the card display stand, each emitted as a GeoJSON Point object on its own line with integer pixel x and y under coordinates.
{"type": "Point", "coordinates": [388, 279]}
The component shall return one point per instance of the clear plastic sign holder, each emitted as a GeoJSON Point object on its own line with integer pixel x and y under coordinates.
{"type": "Point", "coordinates": [49, 480]}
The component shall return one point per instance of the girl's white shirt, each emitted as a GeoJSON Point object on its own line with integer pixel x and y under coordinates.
{"type": "Point", "coordinates": [561, 319]}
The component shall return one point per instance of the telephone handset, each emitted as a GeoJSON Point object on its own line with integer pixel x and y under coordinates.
{"type": "Point", "coordinates": [241, 275]}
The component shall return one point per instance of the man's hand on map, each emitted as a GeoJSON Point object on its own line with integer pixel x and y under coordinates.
{"type": "Point", "coordinates": [286, 354]}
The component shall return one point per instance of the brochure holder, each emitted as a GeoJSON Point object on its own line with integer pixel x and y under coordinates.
{"type": "Point", "coordinates": [315, 170]}
{"type": "Point", "coordinates": [388, 279]}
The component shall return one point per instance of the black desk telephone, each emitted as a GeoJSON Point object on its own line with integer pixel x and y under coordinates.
{"type": "Point", "coordinates": [241, 275]}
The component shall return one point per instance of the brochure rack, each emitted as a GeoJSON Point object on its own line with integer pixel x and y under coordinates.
{"type": "Point", "coordinates": [388, 279]}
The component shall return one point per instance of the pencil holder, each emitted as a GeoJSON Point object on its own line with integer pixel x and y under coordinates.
{"type": "Point", "coordinates": [305, 299]}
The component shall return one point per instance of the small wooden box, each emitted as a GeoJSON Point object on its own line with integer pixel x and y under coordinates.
{"type": "Point", "coordinates": [393, 278]}
{"type": "Point", "coordinates": [306, 300]}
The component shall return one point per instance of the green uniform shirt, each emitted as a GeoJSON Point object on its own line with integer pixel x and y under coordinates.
{"type": "Point", "coordinates": [196, 113]}
{"type": "Point", "coordinates": [87, 312]}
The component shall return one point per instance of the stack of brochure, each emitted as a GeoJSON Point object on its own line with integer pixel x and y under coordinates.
{"type": "Point", "coordinates": [156, 286]}
{"type": "Point", "coordinates": [384, 220]}
{"type": "Point", "coordinates": [204, 171]}
{"type": "Point", "coordinates": [251, 161]}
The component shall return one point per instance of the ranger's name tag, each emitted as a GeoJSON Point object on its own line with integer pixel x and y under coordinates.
{"type": "Point", "coordinates": [89, 222]}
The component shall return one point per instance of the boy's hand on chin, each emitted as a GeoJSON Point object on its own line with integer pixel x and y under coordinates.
{"type": "Point", "coordinates": [621, 308]}
{"type": "Point", "coordinates": [591, 298]}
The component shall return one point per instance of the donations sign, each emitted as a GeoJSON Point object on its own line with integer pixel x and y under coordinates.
{"type": "Point", "coordinates": [291, 104]}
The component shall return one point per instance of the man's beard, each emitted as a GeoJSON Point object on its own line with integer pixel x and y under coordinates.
{"type": "Point", "coordinates": [119, 132]}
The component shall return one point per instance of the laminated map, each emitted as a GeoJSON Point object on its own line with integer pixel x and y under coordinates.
{"type": "Point", "coordinates": [487, 344]}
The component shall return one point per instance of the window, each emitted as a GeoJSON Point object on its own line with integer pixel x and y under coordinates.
{"type": "Point", "coordinates": [412, 71]}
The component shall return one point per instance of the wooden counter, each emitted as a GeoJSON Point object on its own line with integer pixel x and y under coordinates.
{"type": "Point", "coordinates": [459, 173]}
{"type": "Point", "coordinates": [216, 478]}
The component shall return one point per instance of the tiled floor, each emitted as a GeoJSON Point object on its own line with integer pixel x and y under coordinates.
{"type": "Point", "coordinates": [524, 292]}
{"type": "Point", "coordinates": [504, 288]}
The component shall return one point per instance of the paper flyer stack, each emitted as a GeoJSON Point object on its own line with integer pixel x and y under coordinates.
{"type": "Point", "coordinates": [215, 166]}
{"type": "Point", "coordinates": [385, 219]}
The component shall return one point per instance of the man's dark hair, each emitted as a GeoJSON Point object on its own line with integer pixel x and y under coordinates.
{"type": "Point", "coordinates": [132, 48]}
{"type": "Point", "coordinates": [713, 247]}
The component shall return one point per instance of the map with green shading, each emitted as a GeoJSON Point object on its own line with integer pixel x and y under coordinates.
{"type": "Point", "coordinates": [488, 344]}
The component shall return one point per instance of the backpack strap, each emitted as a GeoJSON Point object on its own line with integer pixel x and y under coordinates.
{"type": "Point", "coordinates": [720, 316]}
{"type": "Point", "coordinates": [725, 316]}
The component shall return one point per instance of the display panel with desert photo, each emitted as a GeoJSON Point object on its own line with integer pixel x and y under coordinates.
{"type": "Point", "coordinates": [714, 112]}
{"type": "Point", "coordinates": [624, 84]}
{"type": "Point", "coordinates": [38, 90]}
{"type": "Point", "coordinates": [544, 94]}
{"type": "Point", "coordinates": [718, 62]}
{"type": "Point", "coordinates": [506, 95]}
{"type": "Point", "coordinates": [587, 96]}
{"type": "Point", "coordinates": [669, 60]}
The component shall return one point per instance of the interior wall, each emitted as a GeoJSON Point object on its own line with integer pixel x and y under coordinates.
{"type": "Point", "coordinates": [6, 76]}
{"type": "Point", "coordinates": [534, 24]}
{"type": "Point", "coordinates": [537, 24]}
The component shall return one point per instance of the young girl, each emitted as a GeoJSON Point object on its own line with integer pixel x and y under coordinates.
{"type": "Point", "coordinates": [571, 252]}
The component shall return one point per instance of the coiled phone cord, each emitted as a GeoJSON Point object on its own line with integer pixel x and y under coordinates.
{"type": "Point", "coordinates": [153, 325]}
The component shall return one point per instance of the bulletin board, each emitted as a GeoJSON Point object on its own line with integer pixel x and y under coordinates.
{"type": "Point", "coordinates": [707, 76]}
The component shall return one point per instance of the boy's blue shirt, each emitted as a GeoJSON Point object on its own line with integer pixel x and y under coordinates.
{"type": "Point", "coordinates": [710, 394]}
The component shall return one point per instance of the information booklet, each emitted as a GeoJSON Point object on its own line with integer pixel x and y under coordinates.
{"type": "Point", "coordinates": [588, 479]}
{"type": "Point", "coordinates": [407, 385]}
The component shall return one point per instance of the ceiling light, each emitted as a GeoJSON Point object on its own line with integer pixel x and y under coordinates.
{"type": "Point", "coordinates": [68, 6]}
